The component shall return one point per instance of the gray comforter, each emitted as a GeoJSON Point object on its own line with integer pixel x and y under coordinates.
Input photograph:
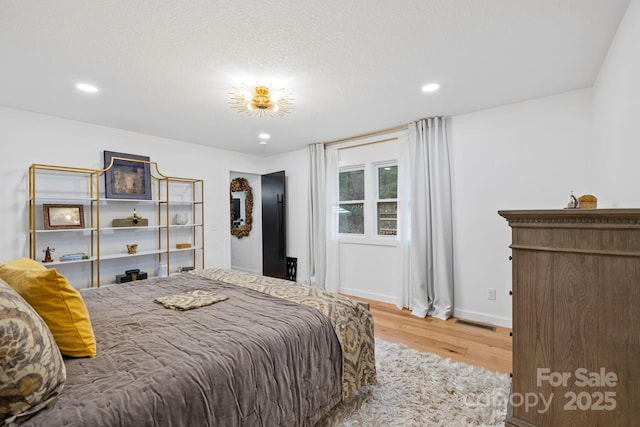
{"type": "Point", "coordinates": [252, 360]}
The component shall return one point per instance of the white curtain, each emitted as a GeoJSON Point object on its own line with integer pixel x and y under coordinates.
{"type": "Point", "coordinates": [317, 215]}
{"type": "Point", "coordinates": [324, 250]}
{"type": "Point", "coordinates": [332, 271]}
{"type": "Point", "coordinates": [426, 225]}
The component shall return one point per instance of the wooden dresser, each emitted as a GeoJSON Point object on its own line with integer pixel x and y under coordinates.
{"type": "Point", "coordinates": [576, 317]}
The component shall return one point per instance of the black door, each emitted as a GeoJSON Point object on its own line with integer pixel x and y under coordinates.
{"type": "Point", "coordinates": [274, 261]}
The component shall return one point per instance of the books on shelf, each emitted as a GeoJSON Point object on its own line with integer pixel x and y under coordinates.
{"type": "Point", "coordinates": [74, 257]}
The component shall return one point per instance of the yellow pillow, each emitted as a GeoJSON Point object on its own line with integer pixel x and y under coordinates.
{"type": "Point", "coordinates": [57, 302]}
{"type": "Point", "coordinates": [26, 263]}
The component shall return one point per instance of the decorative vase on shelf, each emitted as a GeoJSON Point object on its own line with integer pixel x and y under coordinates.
{"type": "Point", "coordinates": [181, 219]}
{"type": "Point", "coordinates": [162, 270]}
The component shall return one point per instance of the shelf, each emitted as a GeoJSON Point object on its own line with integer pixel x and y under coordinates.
{"type": "Point", "coordinates": [143, 228]}
{"type": "Point", "coordinates": [182, 202]}
{"type": "Point", "coordinates": [63, 200]}
{"type": "Point", "coordinates": [65, 230]}
{"type": "Point", "coordinates": [143, 253]}
{"type": "Point", "coordinates": [75, 261]}
{"type": "Point", "coordinates": [193, 248]}
{"type": "Point", "coordinates": [185, 225]}
{"type": "Point", "coordinates": [150, 227]}
{"type": "Point", "coordinates": [104, 200]}
{"type": "Point", "coordinates": [128, 255]}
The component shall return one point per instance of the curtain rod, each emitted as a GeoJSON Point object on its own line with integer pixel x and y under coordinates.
{"type": "Point", "coordinates": [379, 132]}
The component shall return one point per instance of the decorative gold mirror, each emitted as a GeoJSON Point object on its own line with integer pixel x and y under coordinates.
{"type": "Point", "coordinates": [241, 201]}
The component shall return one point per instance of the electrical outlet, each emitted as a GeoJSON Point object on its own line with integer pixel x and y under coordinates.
{"type": "Point", "coordinates": [491, 293]}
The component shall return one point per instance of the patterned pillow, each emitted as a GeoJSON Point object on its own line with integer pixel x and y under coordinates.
{"type": "Point", "coordinates": [32, 372]}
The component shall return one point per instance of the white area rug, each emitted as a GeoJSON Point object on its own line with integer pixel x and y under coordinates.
{"type": "Point", "coordinates": [423, 389]}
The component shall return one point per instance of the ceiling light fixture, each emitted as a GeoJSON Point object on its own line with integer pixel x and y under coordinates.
{"type": "Point", "coordinates": [86, 88]}
{"type": "Point", "coordinates": [431, 87]}
{"type": "Point", "coordinates": [264, 136]}
{"type": "Point", "coordinates": [260, 100]}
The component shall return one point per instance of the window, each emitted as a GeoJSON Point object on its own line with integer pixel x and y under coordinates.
{"type": "Point", "coordinates": [351, 218]}
{"type": "Point", "coordinates": [369, 200]}
{"type": "Point", "coordinates": [387, 200]}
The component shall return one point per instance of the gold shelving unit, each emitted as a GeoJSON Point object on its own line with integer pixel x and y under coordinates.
{"type": "Point", "coordinates": [66, 185]}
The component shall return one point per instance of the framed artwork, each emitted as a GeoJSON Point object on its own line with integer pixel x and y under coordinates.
{"type": "Point", "coordinates": [127, 179]}
{"type": "Point", "coordinates": [63, 216]}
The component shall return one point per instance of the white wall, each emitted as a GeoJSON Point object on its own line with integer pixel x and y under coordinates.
{"type": "Point", "coordinates": [246, 253]}
{"type": "Point", "coordinates": [34, 138]}
{"type": "Point", "coordinates": [361, 272]}
{"type": "Point", "coordinates": [296, 167]}
{"type": "Point", "coordinates": [525, 155]}
{"type": "Point", "coordinates": [616, 115]}
{"type": "Point", "coordinates": [528, 155]}
{"type": "Point", "coordinates": [521, 156]}
{"type": "Point", "coordinates": [370, 264]}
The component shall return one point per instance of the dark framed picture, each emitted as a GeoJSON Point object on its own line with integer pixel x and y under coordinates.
{"type": "Point", "coordinates": [63, 216]}
{"type": "Point", "coordinates": [127, 179]}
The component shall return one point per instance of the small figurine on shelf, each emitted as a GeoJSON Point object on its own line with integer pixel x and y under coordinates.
{"type": "Point", "coordinates": [573, 201]}
{"type": "Point", "coordinates": [47, 254]}
{"type": "Point", "coordinates": [135, 216]}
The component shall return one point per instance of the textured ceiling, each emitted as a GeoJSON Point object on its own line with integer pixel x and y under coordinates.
{"type": "Point", "coordinates": [165, 67]}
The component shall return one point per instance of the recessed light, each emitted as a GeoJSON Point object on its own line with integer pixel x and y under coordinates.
{"type": "Point", "coordinates": [86, 88]}
{"type": "Point", "coordinates": [431, 87]}
{"type": "Point", "coordinates": [262, 142]}
{"type": "Point", "coordinates": [264, 136]}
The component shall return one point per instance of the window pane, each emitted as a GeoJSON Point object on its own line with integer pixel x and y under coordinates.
{"type": "Point", "coordinates": [388, 182]}
{"type": "Point", "coordinates": [387, 218]}
{"type": "Point", "coordinates": [352, 185]}
{"type": "Point", "coordinates": [351, 218]}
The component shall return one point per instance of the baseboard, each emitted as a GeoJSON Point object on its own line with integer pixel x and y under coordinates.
{"type": "Point", "coordinates": [368, 295]}
{"type": "Point", "coordinates": [247, 270]}
{"type": "Point", "coordinates": [482, 317]}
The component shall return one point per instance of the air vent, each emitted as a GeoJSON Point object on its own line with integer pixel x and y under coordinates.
{"type": "Point", "coordinates": [475, 324]}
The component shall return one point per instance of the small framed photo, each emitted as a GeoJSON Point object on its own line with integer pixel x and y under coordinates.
{"type": "Point", "coordinates": [63, 216]}
{"type": "Point", "coordinates": [129, 177]}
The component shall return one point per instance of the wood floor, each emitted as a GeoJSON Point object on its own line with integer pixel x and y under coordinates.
{"type": "Point", "coordinates": [464, 343]}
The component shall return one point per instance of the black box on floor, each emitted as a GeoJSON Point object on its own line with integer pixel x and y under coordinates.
{"type": "Point", "coordinates": [130, 276]}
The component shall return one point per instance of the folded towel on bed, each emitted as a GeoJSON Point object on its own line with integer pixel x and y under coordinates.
{"type": "Point", "coordinates": [190, 300]}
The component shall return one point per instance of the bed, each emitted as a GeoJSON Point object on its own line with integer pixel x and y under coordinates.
{"type": "Point", "coordinates": [273, 354]}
